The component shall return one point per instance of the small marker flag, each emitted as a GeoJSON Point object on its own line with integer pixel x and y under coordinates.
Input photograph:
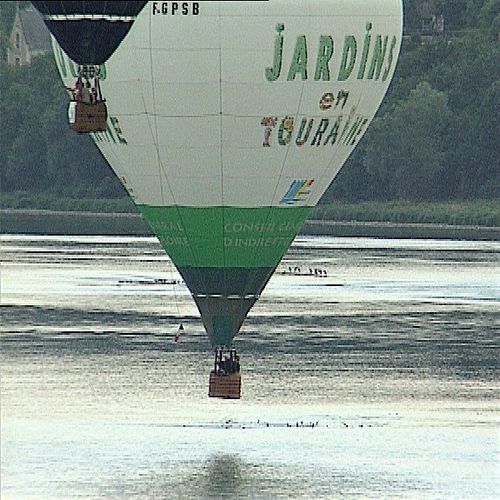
{"type": "Point", "coordinates": [178, 334]}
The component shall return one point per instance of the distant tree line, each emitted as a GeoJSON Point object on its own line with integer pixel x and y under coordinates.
{"type": "Point", "coordinates": [38, 152]}
{"type": "Point", "coordinates": [436, 136]}
{"type": "Point", "coordinates": [457, 14]}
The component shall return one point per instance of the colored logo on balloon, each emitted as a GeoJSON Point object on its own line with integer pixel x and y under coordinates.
{"type": "Point", "coordinates": [297, 191]}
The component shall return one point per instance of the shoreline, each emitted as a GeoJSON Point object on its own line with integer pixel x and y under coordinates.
{"type": "Point", "coordinates": [58, 222]}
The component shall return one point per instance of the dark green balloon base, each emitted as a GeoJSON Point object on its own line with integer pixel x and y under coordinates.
{"type": "Point", "coordinates": [224, 296]}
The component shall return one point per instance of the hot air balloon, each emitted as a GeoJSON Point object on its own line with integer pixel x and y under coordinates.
{"type": "Point", "coordinates": [89, 32]}
{"type": "Point", "coordinates": [229, 120]}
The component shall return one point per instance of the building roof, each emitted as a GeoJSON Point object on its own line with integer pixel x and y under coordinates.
{"type": "Point", "coordinates": [36, 33]}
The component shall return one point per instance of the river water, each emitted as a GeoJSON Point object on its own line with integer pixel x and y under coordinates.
{"type": "Point", "coordinates": [378, 380]}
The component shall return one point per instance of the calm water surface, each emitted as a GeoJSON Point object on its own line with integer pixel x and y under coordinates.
{"type": "Point", "coordinates": [379, 380]}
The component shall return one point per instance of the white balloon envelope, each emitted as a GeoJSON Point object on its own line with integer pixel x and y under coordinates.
{"type": "Point", "coordinates": [228, 121]}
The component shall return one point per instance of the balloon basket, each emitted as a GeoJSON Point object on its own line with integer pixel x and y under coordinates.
{"type": "Point", "coordinates": [224, 386]}
{"type": "Point", "coordinates": [90, 117]}
{"type": "Point", "coordinates": [225, 378]}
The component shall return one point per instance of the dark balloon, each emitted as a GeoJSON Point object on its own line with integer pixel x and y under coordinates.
{"type": "Point", "coordinates": [89, 32]}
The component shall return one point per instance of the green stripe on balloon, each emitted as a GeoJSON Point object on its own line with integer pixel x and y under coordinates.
{"type": "Point", "coordinates": [225, 236]}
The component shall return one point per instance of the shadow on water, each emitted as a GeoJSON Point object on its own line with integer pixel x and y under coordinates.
{"type": "Point", "coordinates": [219, 476]}
{"type": "Point", "coordinates": [38, 316]}
{"type": "Point", "coordinates": [227, 475]}
{"type": "Point", "coordinates": [451, 341]}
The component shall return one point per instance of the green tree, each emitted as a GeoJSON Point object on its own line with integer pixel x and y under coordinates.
{"type": "Point", "coordinates": [411, 17]}
{"type": "Point", "coordinates": [7, 13]}
{"type": "Point", "coordinates": [468, 67]}
{"type": "Point", "coordinates": [478, 148]}
{"type": "Point", "coordinates": [35, 138]}
{"type": "Point", "coordinates": [27, 161]}
{"type": "Point", "coordinates": [489, 18]}
{"type": "Point", "coordinates": [456, 13]}
{"type": "Point", "coordinates": [406, 148]}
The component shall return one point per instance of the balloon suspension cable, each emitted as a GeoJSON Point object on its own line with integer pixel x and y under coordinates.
{"type": "Point", "coordinates": [98, 88]}
{"type": "Point", "coordinates": [156, 142]}
{"type": "Point", "coordinates": [174, 283]}
{"type": "Point", "coordinates": [78, 76]}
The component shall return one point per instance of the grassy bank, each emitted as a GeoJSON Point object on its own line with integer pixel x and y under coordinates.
{"type": "Point", "coordinates": [468, 213]}
{"type": "Point", "coordinates": [47, 201]}
{"type": "Point", "coordinates": [51, 222]}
